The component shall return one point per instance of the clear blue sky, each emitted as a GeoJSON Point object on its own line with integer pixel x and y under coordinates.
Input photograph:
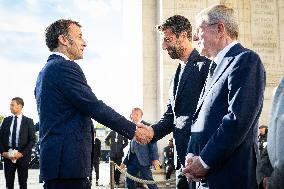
{"type": "Point", "coordinates": [112, 62]}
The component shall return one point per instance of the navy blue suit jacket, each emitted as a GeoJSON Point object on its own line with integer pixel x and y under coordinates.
{"type": "Point", "coordinates": [229, 111]}
{"type": "Point", "coordinates": [26, 139]}
{"type": "Point", "coordinates": [182, 103]}
{"type": "Point", "coordinates": [65, 104]}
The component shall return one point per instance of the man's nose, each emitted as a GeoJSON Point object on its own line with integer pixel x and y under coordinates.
{"type": "Point", "coordinates": [84, 43]}
{"type": "Point", "coordinates": [164, 45]}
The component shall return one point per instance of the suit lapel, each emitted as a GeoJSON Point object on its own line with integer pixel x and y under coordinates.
{"type": "Point", "coordinates": [220, 69]}
{"type": "Point", "coordinates": [189, 65]}
{"type": "Point", "coordinates": [8, 129]}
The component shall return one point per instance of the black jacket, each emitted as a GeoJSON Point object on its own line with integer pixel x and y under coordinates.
{"type": "Point", "coordinates": [116, 145]}
{"type": "Point", "coordinates": [27, 137]}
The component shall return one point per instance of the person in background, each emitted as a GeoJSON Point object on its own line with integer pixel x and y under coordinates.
{"type": "Point", "coordinates": [262, 137]}
{"type": "Point", "coordinates": [117, 143]}
{"type": "Point", "coordinates": [169, 158]}
{"type": "Point", "coordinates": [140, 157]}
{"type": "Point", "coordinates": [17, 138]}
{"type": "Point", "coordinates": [96, 156]}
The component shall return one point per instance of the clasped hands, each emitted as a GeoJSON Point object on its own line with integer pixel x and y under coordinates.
{"type": "Point", "coordinates": [12, 156]}
{"type": "Point", "coordinates": [194, 170]}
{"type": "Point", "coordinates": [143, 133]}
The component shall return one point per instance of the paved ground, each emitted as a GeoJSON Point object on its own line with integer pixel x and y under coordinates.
{"type": "Point", "coordinates": [103, 182]}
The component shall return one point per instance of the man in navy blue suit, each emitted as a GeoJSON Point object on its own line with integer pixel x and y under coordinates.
{"type": "Point", "coordinates": [140, 157]}
{"type": "Point", "coordinates": [17, 133]}
{"type": "Point", "coordinates": [65, 104]}
{"type": "Point", "coordinates": [223, 144]}
{"type": "Point", "coordinates": [185, 87]}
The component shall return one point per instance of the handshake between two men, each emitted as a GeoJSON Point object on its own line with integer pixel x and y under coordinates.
{"type": "Point", "coordinates": [194, 168]}
{"type": "Point", "coordinates": [143, 133]}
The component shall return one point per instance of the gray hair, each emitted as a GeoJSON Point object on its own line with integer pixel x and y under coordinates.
{"type": "Point", "coordinates": [221, 13]}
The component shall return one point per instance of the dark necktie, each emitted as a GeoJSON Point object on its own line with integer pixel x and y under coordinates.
{"type": "Point", "coordinates": [210, 74]}
{"type": "Point", "coordinates": [14, 133]}
{"type": "Point", "coordinates": [132, 146]}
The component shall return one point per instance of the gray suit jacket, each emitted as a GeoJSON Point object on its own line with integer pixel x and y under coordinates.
{"type": "Point", "coordinates": [275, 141]}
{"type": "Point", "coordinates": [145, 153]}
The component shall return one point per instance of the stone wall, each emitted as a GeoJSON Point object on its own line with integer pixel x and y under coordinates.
{"type": "Point", "coordinates": [260, 21]}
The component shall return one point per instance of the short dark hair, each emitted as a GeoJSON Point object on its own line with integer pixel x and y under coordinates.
{"type": "Point", "coordinates": [57, 28]}
{"type": "Point", "coordinates": [19, 100]}
{"type": "Point", "coordinates": [177, 24]}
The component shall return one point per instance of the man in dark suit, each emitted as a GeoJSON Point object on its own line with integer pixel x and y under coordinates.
{"type": "Point", "coordinates": [117, 143]}
{"type": "Point", "coordinates": [169, 158]}
{"type": "Point", "coordinates": [17, 135]}
{"type": "Point", "coordinates": [96, 156]}
{"type": "Point", "coordinates": [140, 157]}
{"type": "Point", "coordinates": [185, 87]}
{"type": "Point", "coordinates": [65, 104]}
{"type": "Point", "coordinates": [223, 144]}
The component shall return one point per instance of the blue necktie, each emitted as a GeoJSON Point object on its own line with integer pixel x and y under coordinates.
{"type": "Point", "coordinates": [210, 74]}
{"type": "Point", "coordinates": [14, 133]}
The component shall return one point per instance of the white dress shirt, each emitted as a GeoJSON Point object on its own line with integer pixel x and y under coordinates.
{"type": "Point", "coordinates": [61, 54]}
{"type": "Point", "coordinates": [19, 121]}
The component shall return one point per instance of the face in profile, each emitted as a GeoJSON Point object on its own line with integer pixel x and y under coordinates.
{"type": "Point", "coordinates": [172, 44]}
{"type": "Point", "coordinates": [206, 38]}
{"type": "Point", "coordinates": [76, 44]}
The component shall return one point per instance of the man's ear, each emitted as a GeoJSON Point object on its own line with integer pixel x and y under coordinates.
{"type": "Point", "coordinates": [62, 40]}
{"type": "Point", "coordinates": [183, 34]}
{"type": "Point", "coordinates": [221, 29]}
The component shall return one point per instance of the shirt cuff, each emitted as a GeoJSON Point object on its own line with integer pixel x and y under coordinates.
{"type": "Point", "coordinates": [203, 163]}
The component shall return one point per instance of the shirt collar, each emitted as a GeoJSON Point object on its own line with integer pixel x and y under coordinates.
{"type": "Point", "coordinates": [61, 54]}
{"type": "Point", "coordinates": [223, 52]}
{"type": "Point", "coordinates": [18, 116]}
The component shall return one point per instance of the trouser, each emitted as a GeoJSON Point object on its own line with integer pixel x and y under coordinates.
{"type": "Point", "coordinates": [96, 164]}
{"type": "Point", "coordinates": [118, 161]}
{"type": "Point", "coordinates": [10, 169]}
{"type": "Point", "coordinates": [169, 170]}
{"type": "Point", "coordinates": [133, 167]}
{"type": "Point", "coordinates": [80, 183]}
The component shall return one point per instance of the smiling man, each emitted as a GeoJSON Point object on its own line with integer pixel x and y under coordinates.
{"type": "Point", "coordinates": [222, 148]}
{"type": "Point", "coordinates": [65, 104]}
{"type": "Point", "coordinates": [185, 87]}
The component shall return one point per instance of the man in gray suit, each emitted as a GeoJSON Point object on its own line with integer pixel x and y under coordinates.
{"type": "Point", "coordinates": [272, 169]}
{"type": "Point", "coordinates": [140, 157]}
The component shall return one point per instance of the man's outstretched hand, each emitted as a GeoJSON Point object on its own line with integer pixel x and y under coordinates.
{"type": "Point", "coordinates": [143, 134]}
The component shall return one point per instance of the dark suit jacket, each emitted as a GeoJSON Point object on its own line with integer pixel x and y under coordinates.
{"type": "Point", "coordinates": [229, 111]}
{"type": "Point", "coordinates": [182, 106]}
{"type": "Point", "coordinates": [27, 137]}
{"type": "Point", "coordinates": [65, 104]}
{"type": "Point", "coordinates": [97, 149]}
{"type": "Point", "coordinates": [116, 148]}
